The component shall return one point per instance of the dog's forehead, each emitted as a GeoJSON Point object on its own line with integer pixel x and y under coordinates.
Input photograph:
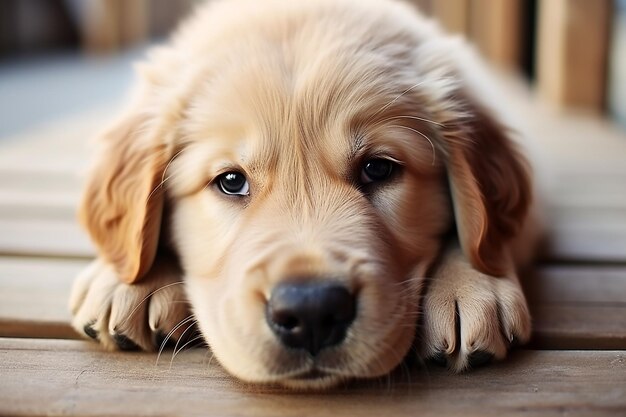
{"type": "Point", "coordinates": [274, 107]}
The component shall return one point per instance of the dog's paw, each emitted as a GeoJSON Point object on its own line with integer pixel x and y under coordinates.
{"type": "Point", "coordinates": [471, 318]}
{"type": "Point", "coordinates": [143, 315]}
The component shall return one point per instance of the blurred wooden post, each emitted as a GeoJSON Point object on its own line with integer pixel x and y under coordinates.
{"type": "Point", "coordinates": [572, 51]}
{"type": "Point", "coordinates": [134, 21]}
{"type": "Point", "coordinates": [108, 25]}
{"type": "Point", "coordinates": [495, 27]}
{"type": "Point", "coordinates": [100, 25]}
{"type": "Point", "coordinates": [616, 86]}
{"type": "Point", "coordinates": [425, 6]}
{"type": "Point", "coordinates": [453, 14]}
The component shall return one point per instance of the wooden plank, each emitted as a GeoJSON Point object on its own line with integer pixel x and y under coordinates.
{"type": "Point", "coordinates": [573, 307]}
{"type": "Point", "coordinates": [32, 237]}
{"type": "Point", "coordinates": [33, 297]}
{"type": "Point", "coordinates": [59, 148]}
{"type": "Point", "coordinates": [425, 6]}
{"type": "Point", "coordinates": [572, 51]}
{"type": "Point", "coordinates": [452, 14]}
{"type": "Point", "coordinates": [75, 378]}
{"type": "Point", "coordinates": [32, 204]}
{"type": "Point", "coordinates": [580, 245]}
{"type": "Point", "coordinates": [134, 21]}
{"type": "Point", "coordinates": [495, 27]}
{"type": "Point", "coordinates": [579, 326]}
{"type": "Point", "coordinates": [100, 25]}
{"type": "Point", "coordinates": [617, 64]}
{"type": "Point", "coordinates": [577, 284]}
{"type": "Point", "coordinates": [578, 307]}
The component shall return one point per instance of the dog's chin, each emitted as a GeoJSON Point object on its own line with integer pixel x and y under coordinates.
{"type": "Point", "coordinates": [312, 381]}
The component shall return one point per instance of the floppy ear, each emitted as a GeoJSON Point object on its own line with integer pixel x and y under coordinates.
{"type": "Point", "coordinates": [122, 203]}
{"type": "Point", "coordinates": [490, 187]}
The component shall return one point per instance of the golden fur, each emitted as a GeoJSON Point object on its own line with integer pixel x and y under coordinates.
{"type": "Point", "coordinates": [297, 95]}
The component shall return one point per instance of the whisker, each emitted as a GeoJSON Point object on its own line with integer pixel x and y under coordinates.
{"type": "Point", "coordinates": [414, 118]}
{"type": "Point", "coordinates": [386, 106]}
{"type": "Point", "coordinates": [163, 178]}
{"type": "Point", "coordinates": [199, 337]}
{"type": "Point", "coordinates": [182, 322]}
{"type": "Point", "coordinates": [432, 145]}
{"type": "Point", "coordinates": [149, 295]}
{"type": "Point", "coordinates": [176, 349]}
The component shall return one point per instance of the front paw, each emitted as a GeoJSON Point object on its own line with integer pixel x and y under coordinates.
{"type": "Point", "coordinates": [471, 318]}
{"type": "Point", "coordinates": [130, 317]}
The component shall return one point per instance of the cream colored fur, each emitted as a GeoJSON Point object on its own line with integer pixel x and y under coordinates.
{"type": "Point", "coordinates": [297, 95]}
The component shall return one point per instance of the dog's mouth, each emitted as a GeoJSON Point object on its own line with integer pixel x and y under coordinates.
{"type": "Point", "coordinates": [312, 379]}
{"type": "Point", "coordinates": [310, 375]}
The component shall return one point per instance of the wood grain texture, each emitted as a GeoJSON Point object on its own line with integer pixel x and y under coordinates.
{"type": "Point", "coordinates": [574, 307]}
{"type": "Point", "coordinates": [34, 295]}
{"type": "Point", "coordinates": [572, 51]}
{"type": "Point", "coordinates": [579, 326]}
{"type": "Point", "coordinates": [65, 377]}
{"type": "Point", "coordinates": [581, 284]}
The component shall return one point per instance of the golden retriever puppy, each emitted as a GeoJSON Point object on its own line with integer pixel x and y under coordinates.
{"type": "Point", "coordinates": [318, 179]}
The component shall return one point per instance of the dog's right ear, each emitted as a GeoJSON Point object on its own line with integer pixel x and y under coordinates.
{"type": "Point", "coordinates": [122, 203]}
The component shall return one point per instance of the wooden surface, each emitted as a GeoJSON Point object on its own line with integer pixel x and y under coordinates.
{"type": "Point", "coordinates": [572, 51]}
{"type": "Point", "coordinates": [495, 27]}
{"type": "Point", "coordinates": [575, 364]}
{"type": "Point", "coordinates": [71, 377]}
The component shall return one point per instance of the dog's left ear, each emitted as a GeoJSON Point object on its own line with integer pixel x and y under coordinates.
{"type": "Point", "coordinates": [490, 186]}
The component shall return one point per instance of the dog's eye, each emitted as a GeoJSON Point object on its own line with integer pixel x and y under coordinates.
{"type": "Point", "coordinates": [377, 169]}
{"type": "Point", "coordinates": [233, 183]}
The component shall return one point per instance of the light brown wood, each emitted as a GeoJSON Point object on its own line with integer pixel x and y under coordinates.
{"type": "Point", "coordinates": [425, 6]}
{"type": "Point", "coordinates": [574, 307]}
{"type": "Point", "coordinates": [134, 21]}
{"type": "Point", "coordinates": [100, 25]}
{"type": "Point", "coordinates": [495, 27]}
{"type": "Point", "coordinates": [64, 377]}
{"type": "Point", "coordinates": [33, 296]}
{"type": "Point", "coordinates": [57, 238]}
{"type": "Point", "coordinates": [452, 14]}
{"type": "Point", "coordinates": [572, 51]}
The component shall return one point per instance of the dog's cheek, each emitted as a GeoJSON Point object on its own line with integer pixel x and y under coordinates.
{"type": "Point", "coordinates": [417, 213]}
{"type": "Point", "coordinates": [200, 226]}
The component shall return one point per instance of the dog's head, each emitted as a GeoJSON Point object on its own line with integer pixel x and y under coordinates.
{"type": "Point", "coordinates": [312, 160]}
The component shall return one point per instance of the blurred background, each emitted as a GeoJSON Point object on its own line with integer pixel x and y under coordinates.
{"type": "Point", "coordinates": [51, 51]}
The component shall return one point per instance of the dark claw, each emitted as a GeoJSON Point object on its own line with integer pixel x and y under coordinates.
{"type": "Point", "coordinates": [479, 358]}
{"type": "Point", "coordinates": [439, 359]}
{"type": "Point", "coordinates": [124, 343]}
{"type": "Point", "coordinates": [90, 331]}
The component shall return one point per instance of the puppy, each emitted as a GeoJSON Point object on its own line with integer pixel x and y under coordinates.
{"type": "Point", "coordinates": [312, 180]}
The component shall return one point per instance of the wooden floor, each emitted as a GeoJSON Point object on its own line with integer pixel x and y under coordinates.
{"type": "Point", "coordinates": [575, 365]}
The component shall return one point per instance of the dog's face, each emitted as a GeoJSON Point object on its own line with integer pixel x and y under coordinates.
{"type": "Point", "coordinates": [309, 173]}
{"type": "Point", "coordinates": [307, 190]}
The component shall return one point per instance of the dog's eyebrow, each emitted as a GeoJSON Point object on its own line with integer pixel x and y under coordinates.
{"type": "Point", "coordinates": [357, 145]}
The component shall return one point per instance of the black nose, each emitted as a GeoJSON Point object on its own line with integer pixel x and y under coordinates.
{"type": "Point", "coordinates": [310, 315]}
